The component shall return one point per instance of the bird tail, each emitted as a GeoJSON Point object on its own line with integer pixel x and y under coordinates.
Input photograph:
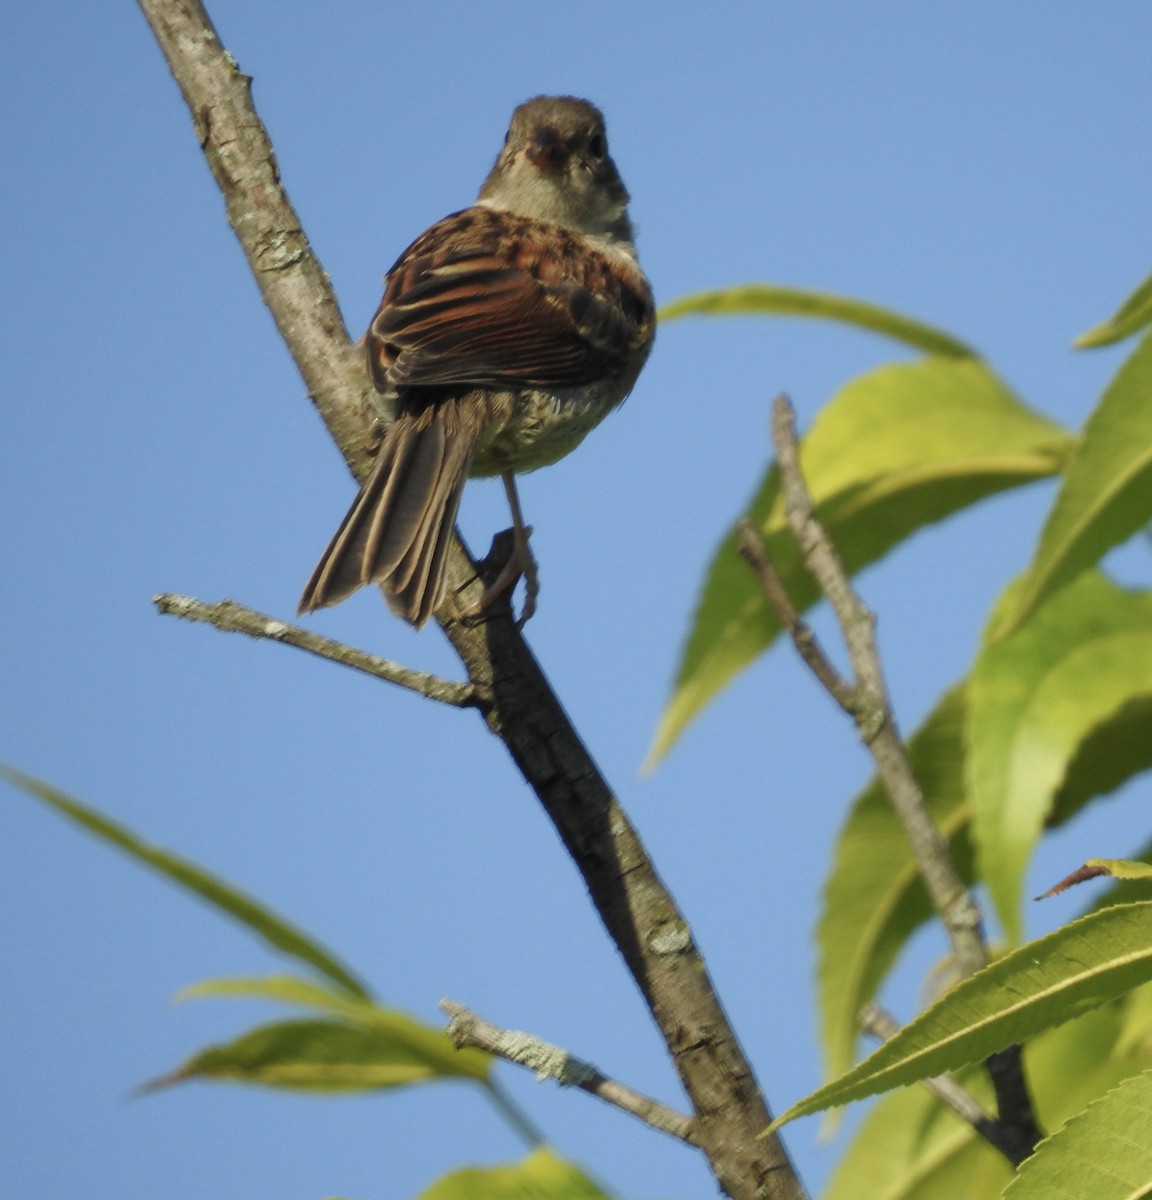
{"type": "Point", "coordinates": [399, 527]}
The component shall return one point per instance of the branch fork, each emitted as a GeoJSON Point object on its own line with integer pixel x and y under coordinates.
{"type": "Point", "coordinates": [865, 698]}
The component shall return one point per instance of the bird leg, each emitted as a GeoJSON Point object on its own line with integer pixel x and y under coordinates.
{"type": "Point", "coordinates": [521, 561]}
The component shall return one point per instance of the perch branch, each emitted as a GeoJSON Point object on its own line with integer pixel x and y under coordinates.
{"type": "Point", "coordinates": [465, 1028]}
{"type": "Point", "coordinates": [636, 908]}
{"type": "Point", "coordinates": [230, 617]}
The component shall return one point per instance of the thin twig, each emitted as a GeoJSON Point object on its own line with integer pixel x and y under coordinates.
{"type": "Point", "coordinates": [871, 708]}
{"type": "Point", "coordinates": [230, 617]}
{"type": "Point", "coordinates": [866, 698]}
{"type": "Point", "coordinates": [882, 1025]}
{"type": "Point", "coordinates": [465, 1028]}
{"type": "Point", "coordinates": [807, 645]}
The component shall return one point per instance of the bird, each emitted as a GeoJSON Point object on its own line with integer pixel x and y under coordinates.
{"type": "Point", "coordinates": [506, 332]}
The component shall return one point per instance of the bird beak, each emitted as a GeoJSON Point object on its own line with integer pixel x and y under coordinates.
{"type": "Point", "coordinates": [547, 149]}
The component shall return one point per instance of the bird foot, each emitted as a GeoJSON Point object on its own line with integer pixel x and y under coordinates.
{"type": "Point", "coordinates": [520, 564]}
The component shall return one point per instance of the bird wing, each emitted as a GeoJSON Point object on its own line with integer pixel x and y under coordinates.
{"type": "Point", "coordinates": [491, 300]}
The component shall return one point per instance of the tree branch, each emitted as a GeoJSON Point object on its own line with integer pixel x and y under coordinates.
{"type": "Point", "coordinates": [230, 617]}
{"type": "Point", "coordinates": [870, 706]}
{"type": "Point", "coordinates": [882, 1025]}
{"type": "Point", "coordinates": [291, 279]}
{"type": "Point", "coordinates": [465, 1028]}
{"type": "Point", "coordinates": [636, 908]}
{"type": "Point", "coordinates": [866, 700]}
{"type": "Point", "coordinates": [752, 548]}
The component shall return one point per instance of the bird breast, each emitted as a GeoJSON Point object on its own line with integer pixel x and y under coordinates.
{"type": "Point", "coordinates": [541, 427]}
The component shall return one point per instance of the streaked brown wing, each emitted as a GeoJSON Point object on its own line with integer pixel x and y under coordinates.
{"type": "Point", "coordinates": [494, 301]}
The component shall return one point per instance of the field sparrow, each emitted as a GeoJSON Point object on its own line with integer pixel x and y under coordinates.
{"type": "Point", "coordinates": [506, 332]}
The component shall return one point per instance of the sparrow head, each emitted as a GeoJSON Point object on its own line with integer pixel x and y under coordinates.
{"type": "Point", "coordinates": [555, 166]}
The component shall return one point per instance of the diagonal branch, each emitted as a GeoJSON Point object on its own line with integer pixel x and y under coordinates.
{"type": "Point", "coordinates": [752, 548]}
{"type": "Point", "coordinates": [871, 708]}
{"type": "Point", "coordinates": [290, 277]}
{"type": "Point", "coordinates": [866, 700]}
{"type": "Point", "coordinates": [881, 1024]}
{"type": "Point", "coordinates": [636, 908]}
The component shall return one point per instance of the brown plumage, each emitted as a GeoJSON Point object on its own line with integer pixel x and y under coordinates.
{"type": "Point", "coordinates": [506, 332]}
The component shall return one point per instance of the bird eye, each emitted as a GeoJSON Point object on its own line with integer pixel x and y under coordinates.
{"type": "Point", "coordinates": [597, 147]}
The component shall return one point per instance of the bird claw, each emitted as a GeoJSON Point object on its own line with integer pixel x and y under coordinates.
{"type": "Point", "coordinates": [520, 564]}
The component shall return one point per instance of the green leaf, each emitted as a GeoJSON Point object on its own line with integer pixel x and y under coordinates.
{"type": "Point", "coordinates": [334, 1056]}
{"type": "Point", "coordinates": [1136, 1033]}
{"type": "Point", "coordinates": [286, 989]}
{"type": "Point", "coordinates": [1122, 868]}
{"type": "Point", "coordinates": [1097, 868]}
{"type": "Point", "coordinates": [910, 1147]}
{"type": "Point", "coordinates": [895, 450]}
{"type": "Point", "coordinates": [1132, 315]}
{"type": "Point", "coordinates": [1111, 754]}
{"type": "Point", "coordinates": [1118, 893]}
{"type": "Point", "coordinates": [1037, 987]}
{"type": "Point", "coordinates": [1106, 494]}
{"type": "Point", "coordinates": [1034, 700]}
{"type": "Point", "coordinates": [755, 299]}
{"type": "Point", "coordinates": [1105, 1153]}
{"type": "Point", "coordinates": [428, 1041]}
{"type": "Point", "coordinates": [543, 1175]}
{"type": "Point", "coordinates": [874, 898]}
{"type": "Point", "coordinates": [262, 921]}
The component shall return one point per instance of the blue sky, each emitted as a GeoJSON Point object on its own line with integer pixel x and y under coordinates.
{"type": "Point", "coordinates": [982, 167]}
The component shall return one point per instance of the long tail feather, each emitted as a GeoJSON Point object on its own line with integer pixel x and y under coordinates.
{"type": "Point", "coordinates": [398, 529]}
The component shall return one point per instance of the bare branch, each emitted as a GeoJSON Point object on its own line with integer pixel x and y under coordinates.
{"type": "Point", "coordinates": [868, 702]}
{"type": "Point", "coordinates": [551, 1062]}
{"type": "Point", "coordinates": [636, 908]}
{"type": "Point", "coordinates": [806, 643]}
{"type": "Point", "coordinates": [882, 1025]}
{"type": "Point", "coordinates": [294, 285]}
{"type": "Point", "coordinates": [230, 617]}
{"type": "Point", "coordinates": [871, 708]}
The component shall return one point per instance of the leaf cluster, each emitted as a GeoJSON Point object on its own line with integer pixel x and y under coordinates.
{"type": "Point", "coordinates": [1052, 714]}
